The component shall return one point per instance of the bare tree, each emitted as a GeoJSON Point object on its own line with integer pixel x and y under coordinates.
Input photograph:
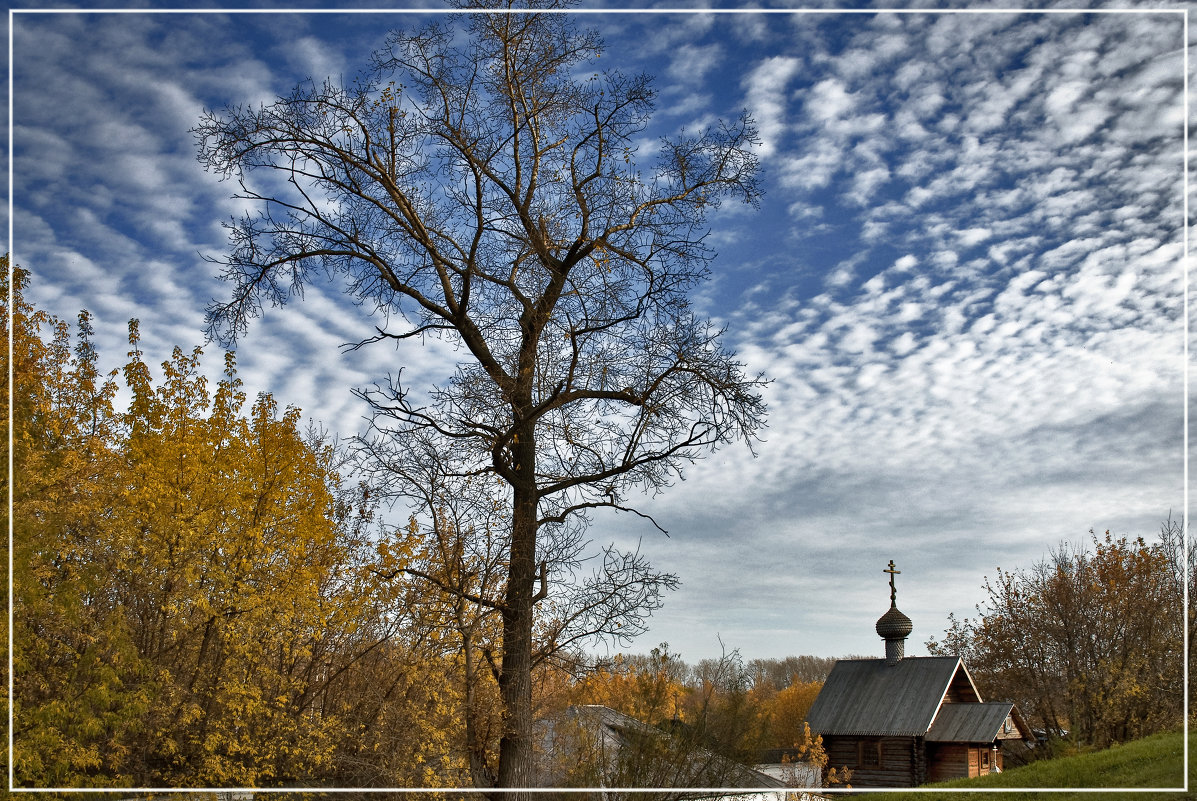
{"type": "Point", "coordinates": [471, 186]}
{"type": "Point", "coordinates": [1182, 561]}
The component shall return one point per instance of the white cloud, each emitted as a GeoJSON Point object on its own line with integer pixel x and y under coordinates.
{"type": "Point", "coordinates": [827, 101]}
{"type": "Point", "coordinates": [765, 88]}
{"type": "Point", "coordinates": [690, 63]}
{"type": "Point", "coordinates": [973, 236]}
{"type": "Point", "coordinates": [1061, 100]}
{"type": "Point", "coordinates": [750, 28]}
{"type": "Point", "coordinates": [689, 104]}
{"type": "Point", "coordinates": [308, 57]}
{"type": "Point", "coordinates": [903, 344]}
{"type": "Point", "coordinates": [858, 339]}
{"type": "Point", "coordinates": [865, 184]}
{"type": "Point", "coordinates": [814, 169]}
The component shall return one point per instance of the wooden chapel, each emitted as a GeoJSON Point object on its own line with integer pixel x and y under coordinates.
{"type": "Point", "coordinates": [904, 721]}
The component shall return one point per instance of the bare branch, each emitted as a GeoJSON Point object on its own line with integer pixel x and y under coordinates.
{"type": "Point", "coordinates": [454, 591]}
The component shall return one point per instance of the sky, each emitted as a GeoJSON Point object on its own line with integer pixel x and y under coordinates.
{"type": "Point", "coordinates": [965, 280]}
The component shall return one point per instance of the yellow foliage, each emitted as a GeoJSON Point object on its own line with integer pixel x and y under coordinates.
{"type": "Point", "coordinates": [646, 690]}
{"type": "Point", "coordinates": [785, 711]}
{"type": "Point", "coordinates": [195, 595]}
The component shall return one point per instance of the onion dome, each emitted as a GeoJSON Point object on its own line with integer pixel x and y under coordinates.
{"type": "Point", "coordinates": [894, 625]}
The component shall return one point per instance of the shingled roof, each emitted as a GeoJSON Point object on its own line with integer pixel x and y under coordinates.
{"type": "Point", "coordinates": [869, 698]}
{"type": "Point", "coordinates": [974, 723]}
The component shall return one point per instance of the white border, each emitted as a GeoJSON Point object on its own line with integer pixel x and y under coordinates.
{"type": "Point", "coordinates": [11, 266]}
{"type": "Point", "coordinates": [729, 792]}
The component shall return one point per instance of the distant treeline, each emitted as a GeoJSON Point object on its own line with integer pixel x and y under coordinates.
{"type": "Point", "coordinates": [758, 673]}
{"type": "Point", "coordinates": [735, 708]}
{"type": "Point", "coordinates": [781, 673]}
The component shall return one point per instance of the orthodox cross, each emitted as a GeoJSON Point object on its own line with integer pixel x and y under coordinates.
{"type": "Point", "coordinates": [893, 592]}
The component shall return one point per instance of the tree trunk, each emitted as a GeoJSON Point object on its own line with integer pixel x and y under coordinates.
{"type": "Point", "coordinates": [515, 681]}
{"type": "Point", "coordinates": [481, 771]}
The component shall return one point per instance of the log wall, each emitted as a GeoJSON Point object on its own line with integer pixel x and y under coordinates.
{"type": "Point", "coordinates": [957, 760]}
{"type": "Point", "coordinates": [902, 763]}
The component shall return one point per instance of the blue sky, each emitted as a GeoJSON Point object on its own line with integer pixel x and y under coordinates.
{"type": "Point", "coordinates": [965, 280]}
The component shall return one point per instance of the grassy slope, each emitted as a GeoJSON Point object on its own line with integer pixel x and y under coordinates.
{"type": "Point", "coordinates": [1151, 762]}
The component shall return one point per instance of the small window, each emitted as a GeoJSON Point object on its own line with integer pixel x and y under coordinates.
{"type": "Point", "coordinates": [985, 759]}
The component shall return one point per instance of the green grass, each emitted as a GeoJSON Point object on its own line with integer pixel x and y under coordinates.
{"type": "Point", "coordinates": [1153, 762]}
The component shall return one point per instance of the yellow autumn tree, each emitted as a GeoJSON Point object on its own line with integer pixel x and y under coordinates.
{"type": "Point", "coordinates": [1089, 640]}
{"type": "Point", "coordinates": [807, 750]}
{"type": "Point", "coordinates": [785, 711]}
{"type": "Point", "coordinates": [196, 594]}
{"type": "Point", "coordinates": [227, 522]}
{"type": "Point", "coordinates": [79, 687]}
{"type": "Point", "coordinates": [649, 688]}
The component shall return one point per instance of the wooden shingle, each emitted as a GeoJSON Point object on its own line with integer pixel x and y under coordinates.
{"type": "Point", "coordinates": [976, 723]}
{"type": "Point", "coordinates": [869, 698]}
